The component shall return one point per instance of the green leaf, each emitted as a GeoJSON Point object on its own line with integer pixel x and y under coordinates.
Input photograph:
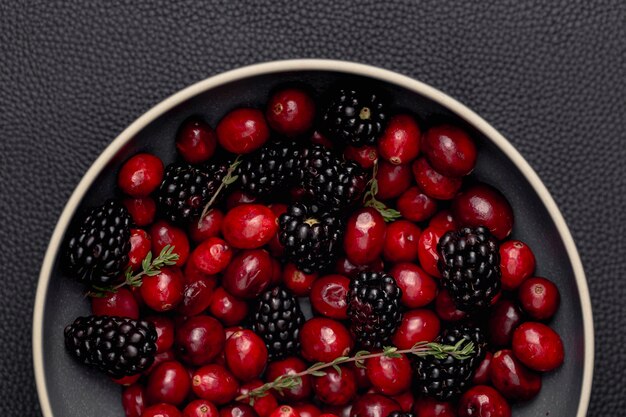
{"type": "Point", "coordinates": [318, 373]}
{"type": "Point", "coordinates": [337, 368]}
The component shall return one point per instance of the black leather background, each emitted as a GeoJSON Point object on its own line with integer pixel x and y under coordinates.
{"type": "Point", "coordinates": [549, 75]}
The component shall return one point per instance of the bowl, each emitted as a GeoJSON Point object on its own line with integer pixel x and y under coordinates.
{"type": "Point", "coordinates": [67, 389]}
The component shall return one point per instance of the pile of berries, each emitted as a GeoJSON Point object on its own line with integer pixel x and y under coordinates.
{"type": "Point", "coordinates": [309, 261]}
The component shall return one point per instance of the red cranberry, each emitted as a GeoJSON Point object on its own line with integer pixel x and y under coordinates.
{"type": "Point", "coordinates": [277, 273]}
{"type": "Point", "coordinates": [446, 309]}
{"type": "Point", "coordinates": [120, 304]}
{"type": "Point", "coordinates": [328, 296]}
{"type": "Point", "coordinates": [238, 198]}
{"type": "Point", "coordinates": [208, 226]}
{"type": "Point", "coordinates": [200, 408]}
{"type": "Point", "coordinates": [418, 288]}
{"type": "Point", "coordinates": [324, 339]}
{"type": "Point", "coordinates": [284, 411]}
{"type": "Point", "coordinates": [195, 141]}
{"type": "Point", "coordinates": [238, 410]}
{"type": "Point", "coordinates": [538, 346]}
{"type": "Point", "coordinates": [199, 340]}
{"type": "Point", "coordinates": [291, 365]}
{"type": "Point", "coordinates": [364, 236]}
{"type": "Point", "coordinates": [276, 248]}
{"type": "Point", "coordinates": [142, 210]}
{"type": "Point", "coordinates": [243, 131]}
{"type": "Point", "coordinates": [290, 112]}
{"type": "Point", "coordinates": [481, 374]}
{"type": "Point", "coordinates": [393, 180]}
{"type": "Point", "coordinates": [419, 325]}
{"type": "Point", "coordinates": [416, 206]}
{"type": "Point", "coordinates": [298, 282]}
{"type": "Point", "coordinates": [335, 388]}
{"type": "Point", "coordinates": [337, 411]}
{"type": "Point", "coordinates": [140, 245]}
{"type": "Point", "coordinates": [228, 309]}
{"type": "Point", "coordinates": [517, 263]}
{"type": "Point", "coordinates": [169, 383]}
{"type": "Point", "coordinates": [134, 400]}
{"type": "Point", "coordinates": [140, 175]}
{"type": "Point", "coordinates": [160, 358]}
{"type": "Point", "coordinates": [450, 150]}
{"type": "Point", "coordinates": [390, 376]}
{"type": "Point", "coordinates": [331, 415]}
{"type": "Point", "coordinates": [197, 296]}
{"type": "Point", "coordinates": [214, 383]}
{"type": "Point", "coordinates": [483, 401]}
{"type": "Point", "coordinates": [308, 410]}
{"type": "Point", "coordinates": [246, 355]}
{"type": "Point", "coordinates": [192, 273]}
{"type": "Point", "coordinates": [443, 220]}
{"type": "Point", "coordinates": [405, 400]}
{"type": "Point", "coordinates": [400, 142]}
{"type": "Point", "coordinates": [248, 274]}
{"type": "Point", "coordinates": [430, 407]}
{"type": "Point", "coordinates": [165, 332]}
{"type": "Point", "coordinates": [434, 184]}
{"type": "Point", "coordinates": [401, 241]}
{"type": "Point", "coordinates": [163, 234]}
{"type": "Point", "coordinates": [263, 405]}
{"type": "Point", "coordinates": [427, 252]}
{"type": "Point", "coordinates": [539, 298]}
{"type": "Point", "coordinates": [127, 380]}
{"type": "Point", "coordinates": [162, 410]}
{"type": "Point", "coordinates": [249, 226]}
{"type": "Point", "coordinates": [164, 291]}
{"type": "Point", "coordinates": [212, 256]}
{"type": "Point", "coordinates": [483, 205]}
{"type": "Point", "coordinates": [366, 155]}
{"type": "Point", "coordinates": [343, 266]}
{"type": "Point", "coordinates": [512, 379]}
{"type": "Point", "coordinates": [504, 318]}
{"type": "Point", "coordinates": [373, 405]}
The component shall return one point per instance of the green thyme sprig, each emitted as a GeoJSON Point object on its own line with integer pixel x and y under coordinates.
{"type": "Point", "coordinates": [461, 350]}
{"type": "Point", "coordinates": [149, 267]}
{"type": "Point", "coordinates": [369, 199]}
{"type": "Point", "coordinates": [228, 179]}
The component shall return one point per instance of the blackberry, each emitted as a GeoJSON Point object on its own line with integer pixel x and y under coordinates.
{"type": "Point", "coordinates": [311, 238]}
{"type": "Point", "coordinates": [185, 190]}
{"type": "Point", "coordinates": [117, 346]}
{"type": "Point", "coordinates": [98, 253]}
{"type": "Point", "coordinates": [447, 378]}
{"type": "Point", "coordinates": [330, 181]}
{"type": "Point", "coordinates": [373, 308]}
{"type": "Point", "coordinates": [354, 117]}
{"type": "Point", "coordinates": [470, 267]}
{"type": "Point", "coordinates": [270, 168]}
{"type": "Point", "coordinates": [277, 320]}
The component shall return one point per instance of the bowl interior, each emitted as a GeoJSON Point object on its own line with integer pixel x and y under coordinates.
{"type": "Point", "coordinates": [75, 391]}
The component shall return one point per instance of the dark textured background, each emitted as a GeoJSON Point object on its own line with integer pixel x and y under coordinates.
{"type": "Point", "coordinates": [549, 75]}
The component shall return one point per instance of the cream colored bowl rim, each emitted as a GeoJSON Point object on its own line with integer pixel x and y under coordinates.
{"type": "Point", "coordinates": [309, 65]}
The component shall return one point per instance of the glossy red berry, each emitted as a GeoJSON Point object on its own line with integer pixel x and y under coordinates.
{"type": "Point", "coordinates": [450, 150]}
{"type": "Point", "coordinates": [517, 263]}
{"type": "Point", "coordinates": [416, 206]}
{"type": "Point", "coordinates": [363, 383]}
{"type": "Point", "coordinates": [290, 112]}
{"type": "Point", "coordinates": [335, 388]}
{"type": "Point", "coordinates": [324, 339]}
{"type": "Point", "coordinates": [366, 155]}
{"type": "Point", "coordinates": [168, 383]}
{"type": "Point", "coordinates": [427, 252]}
{"type": "Point", "coordinates": [214, 383]}
{"type": "Point", "coordinates": [284, 411]}
{"type": "Point", "coordinates": [227, 308]}
{"type": "Point", "coordinates": [512, 379]}
{"type": "Point", "coordinates": [243, 131]}
{"type": "Point", "coordinates": [120, 304]}
{"type": "Point", "coordinates": [390, 376]}
{"type": "Point", "coordinates": [262, 405]}
{"type": "Point", "coordinates": [337, 410]}
{"type": "Point", "coordinates": [162, 410]}
{"type": "Point", "coordinates": [134, 400]}
{"type": "Point", "coordinates": [140, 175]}
{"type": "Point", "coordinates": [430, 407]}
{"type": "Point", "coordinates": [400, 142]}
{"type": "Point", "coordinates": [401, 241]}
{"type": "Point", "coordinates": [329, 296]}
{"type": "Point", "coordinates": [307, 410]}
{"type": "Point", "coordinates": [197, 296]}
{"type": "Point", "coordinates": [405, 401]}
{"type": "Point", "coordinates": [392, 180]}
{"type": "Point", "coordinates": [483, 401]}
{"type": "Point", "coordinates": [504, 317]}
{"type": "Point", "coordinates": [443, 221]}
{"type": "Point", "coordinates": [127, 380]}
{"type": "Point", "coordinates": [209, 226]}
{"type": "Point", "coordinates": [421, 325]}
{"type": "Point", "coordinates": [483, 205]}
{"type": "Point", "coordinates": [298, 282]}
{"type": "Point", "coordinates": [418, 288]}
{"type": "Point", "coordinates": [481, 374]}
{"type": "Point", "coordinates": [163, 234]}
{"type": "Point", "coordinates": [238, 198]}
{"type": "Point", "coordinates": [373, 405]}
{"type": "Point", "coordinates": [201, 408]}
{"type": "Point", "coordinates": [433, 183]}
{"type": "Point", "coordinates": [249, 226]}
{"type": "Point", "coordinates": [160, 358]}
{"type": "Point", "coordinates": [291, 365]}
{"type": "Point", "coordinates": [238, 410]}
{"type": "Point", "coordinates": [446, 309]}
{"type": "Point", "coordinates": [141, 209]}
{"type": "Point", "coordinates": [191, 273]}
{"type": "Point", "coordinates": [212, 256]}
{"type": "Point", "coordinates": [164, 291]}
{"type": "Point", "coordinates": [343, 266]}
{"type": "Point", "coordinates": [539, 298]}
{"type": "Point", "coordinates": [246, 355]}
{"type": "Point", "coordinates": [165, 332]}
{"type": "Point", "coordinates": [364, 237]}
{"type": "Point", "coordinates": [248, 274]}
{"type": "Point", "coordinates": [277, 272]}
{"type": "Point", "coordinates": [199, 340]}
{"type": "Point", "coordinates": [196, 141]}
{"type": "Point", "coordinates": [140, 245]}
{"type": "Point", "coordinates": [538, 346]}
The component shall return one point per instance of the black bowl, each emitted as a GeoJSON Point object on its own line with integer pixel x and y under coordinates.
{"type": "Point", "coordinates": [67, 389]}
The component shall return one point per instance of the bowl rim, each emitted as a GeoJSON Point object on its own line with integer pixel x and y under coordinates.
{"type": "Point", "coordinates": [296, 65]}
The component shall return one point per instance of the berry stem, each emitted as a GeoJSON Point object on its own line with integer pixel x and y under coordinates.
{"type": "Point", "coordinates": [228, 179]}
{"type": "Point", "coordinates": [421, 349]}
{"type": "Point", "coordinates": [369, 199]}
